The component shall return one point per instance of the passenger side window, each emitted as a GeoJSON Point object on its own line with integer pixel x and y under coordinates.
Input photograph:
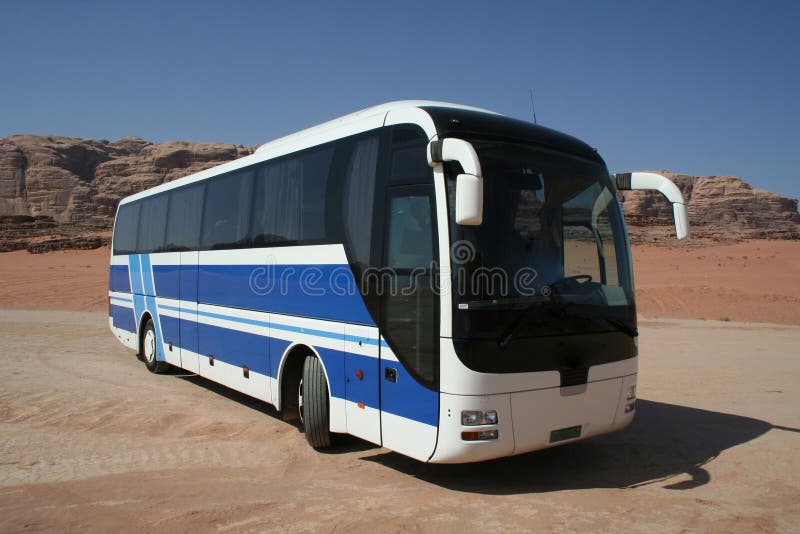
{"type": "Point", "coordinates": [183, 222]}
{"type": "Point", "coordinates": [359, 197]}
{"type": "Point", "coordinates": [126, 229]}
{"type": "Point", "coordinates": [409, 161]}
{"type": "Point", "coordinates": [290, 199]}
{"type": "Point", "coordinates": [227, 211]}
{"type": "Point", "coordinates": [153, 224]}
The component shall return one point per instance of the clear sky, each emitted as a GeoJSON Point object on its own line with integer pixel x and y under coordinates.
{"type": "Point", "coordinates": [701, 87]}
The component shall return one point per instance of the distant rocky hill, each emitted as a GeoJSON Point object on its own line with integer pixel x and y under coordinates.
{"type": "Point", "coordinates": [62, 192]}
{"type": "Point", "coordinates": [721, 208]}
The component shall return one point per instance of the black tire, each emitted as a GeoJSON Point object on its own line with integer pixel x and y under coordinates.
{"type": "Point", "coordinates": [148, 350]}
{"type": "Point", "coordinates": [315, 409]}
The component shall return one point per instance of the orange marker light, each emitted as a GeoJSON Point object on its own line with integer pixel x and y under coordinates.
{"type": "Point", "coordinates": [360, 374]}
{"type": "Point", "coordinates": [361, 405]}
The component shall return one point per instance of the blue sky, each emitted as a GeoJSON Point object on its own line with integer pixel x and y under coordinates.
{"type": "Point", "coordinates": [703, 88]}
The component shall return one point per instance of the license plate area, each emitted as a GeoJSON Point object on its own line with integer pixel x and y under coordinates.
{"type": "Point", "coordinates": [564, 434]}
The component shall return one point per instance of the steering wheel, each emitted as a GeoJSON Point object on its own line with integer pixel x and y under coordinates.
{"type": "Point", "coordinates": [573, 282]}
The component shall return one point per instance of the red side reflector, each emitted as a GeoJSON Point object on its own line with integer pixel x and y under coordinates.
{"type": "Point", "coordinates": [361, 405]}
{"type": "Point", "coordinates": [360, 374]}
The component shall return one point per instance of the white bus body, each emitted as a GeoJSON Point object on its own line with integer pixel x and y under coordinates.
{"type": "Point", "coordinates": [326, 274]}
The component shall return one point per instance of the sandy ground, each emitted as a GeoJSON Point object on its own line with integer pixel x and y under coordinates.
{"type": "Point", "coordinates": [90, 439]}
{"type": "Point", "coordinates": [756, 281]}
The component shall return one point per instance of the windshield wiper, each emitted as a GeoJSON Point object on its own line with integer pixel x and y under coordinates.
{"type": "Point", "coordinates": [616, 323]}
{"type": "Point", "coordinates": [491, 304]}
{"type": "Point", "coordinates": [511, 332]}
{"type": "Point", "coordinates": [506, 337]}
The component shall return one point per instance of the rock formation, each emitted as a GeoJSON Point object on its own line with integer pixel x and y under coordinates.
{"type": "Point", "coordinates": [62, 192]}
{"type": "Point", "coordinates": [721, 208]}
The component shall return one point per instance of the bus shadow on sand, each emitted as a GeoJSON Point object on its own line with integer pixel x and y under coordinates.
{"type": "Point", "coordinates": [665, 441]}
{"type": "Point", "coordinates": [341, 443]}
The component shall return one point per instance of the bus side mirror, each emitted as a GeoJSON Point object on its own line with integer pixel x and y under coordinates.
{"type": "Point", "coordinates": [469, 184]}
{"type": "Point", "coordinates": [469, 200]}
{"type": "Point", "coordinates": [650, 181]}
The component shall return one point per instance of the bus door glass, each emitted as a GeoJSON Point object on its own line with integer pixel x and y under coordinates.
{"type": "Point", "coordinates": [410, 323]}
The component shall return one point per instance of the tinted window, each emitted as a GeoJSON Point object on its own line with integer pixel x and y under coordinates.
{"type": "Point", "coordinates": [409, 162]}
{"type": "Point", "coordinates": [183, 222]}
{"type": "Point", "coordinates": [227, 211]}
{"type": "Point", "coordinates": [358, 199]}
{"type": "Point", "coordinates": [125, 229]}
{"type": "Point", "coordinates": [410, 321]}
{"type": "Point", "coordinates": [153, 224]}
{"type": "Point", "coordinates": [290, 198]}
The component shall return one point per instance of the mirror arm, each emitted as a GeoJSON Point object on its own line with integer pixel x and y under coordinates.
{"type": "Point", "coordinates": [451, 149]}
{"type": "Point", "coordinates": [650, 181]}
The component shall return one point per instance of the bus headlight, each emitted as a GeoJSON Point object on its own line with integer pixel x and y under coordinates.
{"type": "Point", "coordinates": [478, 417]}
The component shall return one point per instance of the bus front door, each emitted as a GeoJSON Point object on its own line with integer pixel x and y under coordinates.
{"type": "Point", "coordinates": [409, 347]}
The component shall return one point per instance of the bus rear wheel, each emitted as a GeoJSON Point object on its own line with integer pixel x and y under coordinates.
{"type": "Point", "coordinates": [150, 351]}
{"type": "Point", "coordinates": [313, 404]}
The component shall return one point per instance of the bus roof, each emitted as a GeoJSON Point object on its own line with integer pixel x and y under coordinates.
{"type": "Point", "coordinates": [353, 123]}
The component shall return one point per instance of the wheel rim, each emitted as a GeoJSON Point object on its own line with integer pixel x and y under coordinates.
{"type": "Point", "coordinates": [150, 346]}
{"type": "Point", "coordinates": [300, 401]}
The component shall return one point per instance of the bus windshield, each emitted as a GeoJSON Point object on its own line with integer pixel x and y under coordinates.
{"type": "Point", "coordinates": [550, 256]}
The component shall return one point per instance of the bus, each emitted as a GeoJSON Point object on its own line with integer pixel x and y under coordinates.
{"type": "Point", "coordinates": [437, 279]}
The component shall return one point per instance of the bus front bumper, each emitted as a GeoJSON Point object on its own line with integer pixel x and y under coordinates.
{"type": "Point", "coordinates": [532, 420]}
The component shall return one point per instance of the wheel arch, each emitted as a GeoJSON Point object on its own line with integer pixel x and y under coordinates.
{"type": "Point", "coordinates": [292, 362]}
{"type": "Point", "coordinates": [140, 328]}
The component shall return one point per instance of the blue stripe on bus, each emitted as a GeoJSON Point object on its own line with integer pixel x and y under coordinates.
{"type": "Point", "coordinates": [364, 389]}
{"type": "Point", "coordinates": [408, 398]}
{"type": "Point", "coordinates": [283, 327]}
{"type": "Point", "coordinates": [188, 283]}
{"type": "Point", "coordinates": [234, 347]}
{"type": "Point", "coordinates": [135, 272]}
{"type": "Point", "coordinates": [233, 286]}
{"type": "Point", "coordinates": [170, 330]}
{"type": "Point", "coordinates": [118, 279]}
{"type": "Point", "coordinates": [123, 318]}
{"type": "Point", "coordinates": [277, 347]}
{"type": "Point", "coordinates": [147, 276]}
{"type": "Point", "coordinates": [166, 279]}
{"type": "Point", "coordinates": [304, 290]}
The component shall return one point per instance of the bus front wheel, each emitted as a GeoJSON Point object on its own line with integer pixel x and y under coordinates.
{"type": "Point", "coordinates": [150, 351]}
{"type": "Point", "coordinates": [313, 404]}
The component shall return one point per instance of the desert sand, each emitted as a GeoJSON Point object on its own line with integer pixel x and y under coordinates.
{"type": "Point", "coordinates": [754, 281]}
{"type": "Point", "coordinates": [90, 440]}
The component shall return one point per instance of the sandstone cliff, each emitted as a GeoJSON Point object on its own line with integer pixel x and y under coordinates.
{"type": "Point", "coordinates": [721, 208]}
{"type": "Point", "coordinates": [62, 192]}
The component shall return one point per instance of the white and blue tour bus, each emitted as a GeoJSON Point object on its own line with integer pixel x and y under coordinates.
{"type": "Point", "coordinates": [441, 280]}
